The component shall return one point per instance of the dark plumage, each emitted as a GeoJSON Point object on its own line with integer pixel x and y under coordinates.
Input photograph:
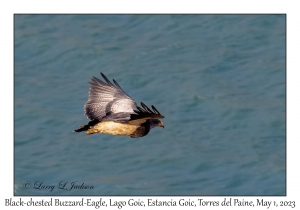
{"type": "Point", "coordinates": [112, 111]}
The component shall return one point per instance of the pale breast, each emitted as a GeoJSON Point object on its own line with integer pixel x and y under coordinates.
{"type": "Point", "coordinates": [113, 128]}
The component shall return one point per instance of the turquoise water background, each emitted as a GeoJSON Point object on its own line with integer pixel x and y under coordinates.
{"type": "Point", "coordinates": [220, 81]}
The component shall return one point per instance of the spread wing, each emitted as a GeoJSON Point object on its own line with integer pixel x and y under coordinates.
{"type": "Point", "coordinates": [108, 102]}
{"type": "Point", "coordinates": [142, 114]}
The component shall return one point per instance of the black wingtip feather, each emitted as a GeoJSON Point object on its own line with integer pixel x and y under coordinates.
{"type": "Point", "coordinates": [145, 111]}
{"type": "Point", "coordinates": [106, 79]}
{"type": "Point", "coordinates": [118, 86]}
{"type": "Point", "coordinates": [146, 108]}
{"type": "Point", "coordinates": [155, 110]}
{"type": "Point", "coordinates": [140, 109]}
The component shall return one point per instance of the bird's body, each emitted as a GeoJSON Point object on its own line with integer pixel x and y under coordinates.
{"type": "Point", "coordinates": [113, 128]}
{"type": "Point", "coordinates": [113, 112]}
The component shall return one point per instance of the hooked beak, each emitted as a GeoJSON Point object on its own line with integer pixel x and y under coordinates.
{"type": "Point", "coordinates": [160, 124]}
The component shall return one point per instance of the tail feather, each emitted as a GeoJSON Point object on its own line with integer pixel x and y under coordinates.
{"type": "Point", "coordinates": [86, 127]}
{"type": "Point", "coordinates": [82, 128]}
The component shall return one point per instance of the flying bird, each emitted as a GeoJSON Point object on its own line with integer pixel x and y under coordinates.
{"type": "Point", "coordinates": [112, 111]}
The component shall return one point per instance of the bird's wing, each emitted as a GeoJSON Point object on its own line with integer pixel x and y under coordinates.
{"type": "Point", "coordinates": [108, 102]}
{"type": "Point", "coordinates": [143, 114]}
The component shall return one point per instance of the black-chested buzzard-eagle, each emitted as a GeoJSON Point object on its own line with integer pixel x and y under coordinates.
{"type": "Point", "coordinates": [112, 111]}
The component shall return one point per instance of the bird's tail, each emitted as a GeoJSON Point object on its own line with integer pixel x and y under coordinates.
{"type": "Point", "coordinates": [82, 128]}
{"type": "Point", "coordinates": [86, 127]}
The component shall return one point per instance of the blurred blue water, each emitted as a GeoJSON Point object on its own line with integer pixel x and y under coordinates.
{"type": "Point", "coordinates": [218, 79]}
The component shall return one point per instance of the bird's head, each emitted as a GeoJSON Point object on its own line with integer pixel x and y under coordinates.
{"type": "Point", "coordinates": [160, 124]}
{"type": "Point", "coordinates": [156, 122]}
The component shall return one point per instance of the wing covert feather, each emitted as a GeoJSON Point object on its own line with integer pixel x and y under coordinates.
{"type": "Point", "coordinates": [107, 98]}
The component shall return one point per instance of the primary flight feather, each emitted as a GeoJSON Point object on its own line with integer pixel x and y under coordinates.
{"type": "Point", "coordinates": [112, 111]}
